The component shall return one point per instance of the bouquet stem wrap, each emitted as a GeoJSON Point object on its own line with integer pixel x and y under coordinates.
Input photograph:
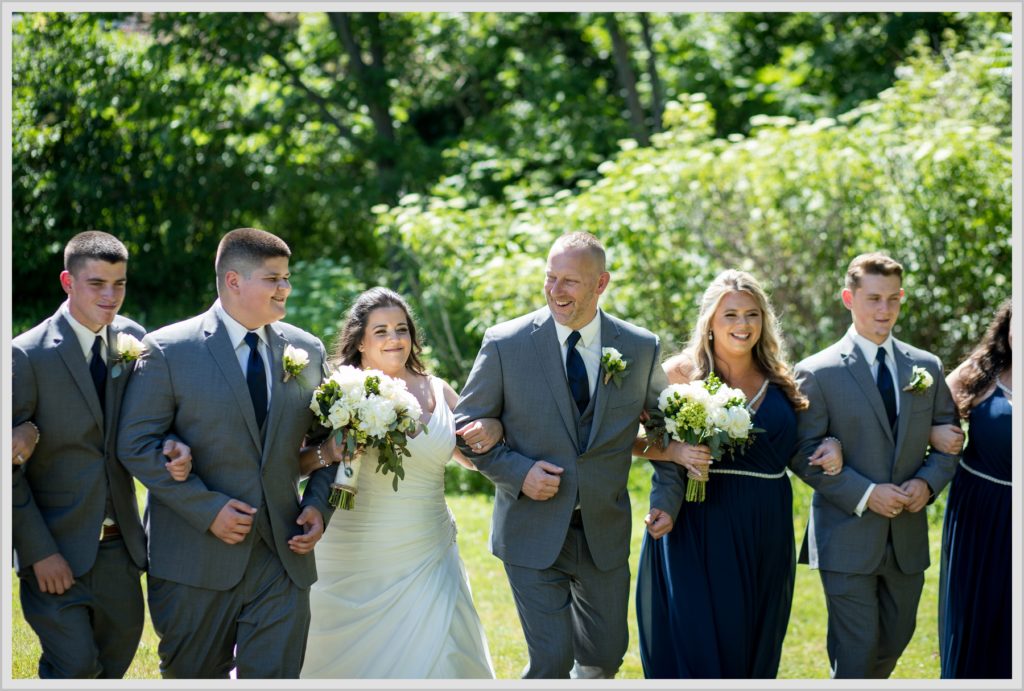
{"type": "Point", "coordinates": [346, 482]}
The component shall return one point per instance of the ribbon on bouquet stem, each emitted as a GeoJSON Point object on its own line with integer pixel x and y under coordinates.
{"type": "Point", "coordinates": [346, 479]}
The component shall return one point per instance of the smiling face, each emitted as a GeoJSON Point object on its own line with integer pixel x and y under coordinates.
{"type": "Point", "coordinates": [875, 305]}
{"type": "Point", "coordinates": [387, 341]}
{"type": "Point", "coordinates": [259, 298]}
{"type": "Point", "coordinates": [95, 291]}
{"type": "Point", "coordinates": [736, 324]}
{"type": "Point", "coordinates": [572, 285]}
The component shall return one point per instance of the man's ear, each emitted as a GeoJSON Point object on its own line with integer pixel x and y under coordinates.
{"type": "Point", "coordinates": [65, 281]}
{"type": "Point", "coordinates": [848, 298]}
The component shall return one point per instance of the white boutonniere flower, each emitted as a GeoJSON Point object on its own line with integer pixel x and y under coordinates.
{"type": "Point", "coordinates": [128, 349]}
{"type": "Point", "coordinates": [294, 361]}
{"type": "Point", "coordinates": [613, 365]}
{"type": "Point", "coordinates": [920, 380]}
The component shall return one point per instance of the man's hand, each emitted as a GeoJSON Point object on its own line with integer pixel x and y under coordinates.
{"type": "Point", "coordinates": [888, 500]}
{"type": "Point", "coordinates": [658, 523]}
{"type": "Point", "coordinates": [542, 481]}
{"type": "Point", "coordinates": [23, 443]}
{"type": "Point", "coordinates": [312, 522]}
{"type": "Point", "coordinates": [233, 521]}
{"type": "Point", "coordinates": [53, 574]}
{"type": "Point", "coordinates": [917, 490]}
{"type": "Point", "coordinates": [180, 463]}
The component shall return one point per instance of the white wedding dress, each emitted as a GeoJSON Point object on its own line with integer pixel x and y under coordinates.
{"type": "Point", "coordinates": [392, 599]}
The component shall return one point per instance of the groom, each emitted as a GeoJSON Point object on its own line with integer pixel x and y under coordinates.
{"type": "Point", "coordinates": [561, 520]}
{"type": "Point", "coordinates": [868, 533]}
{"type": "Point", "coordinates": [230, 548]}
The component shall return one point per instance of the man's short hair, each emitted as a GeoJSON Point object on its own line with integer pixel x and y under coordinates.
{"type": "Point", "coordinates": [244, 249]}
{"type": "Point", "coordinates": [582, 240]}
{"type": "Point", "coordinates": [93, 244]}
{"type": "Point", "coordinates": [877, 263]}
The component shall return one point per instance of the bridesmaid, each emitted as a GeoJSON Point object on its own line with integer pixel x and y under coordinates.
{"type": "Point", "coordinates": [975, 591]}
{"type": "Point", "coordinates": [714, 595]}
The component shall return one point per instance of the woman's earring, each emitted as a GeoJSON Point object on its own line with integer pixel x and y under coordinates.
{"type": "Point", "coordinates": [711, 335]}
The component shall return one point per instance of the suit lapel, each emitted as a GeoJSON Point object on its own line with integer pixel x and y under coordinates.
{"type": "Point", "coordinates": [861, 372]}
{"type": "Point", "coordinates": [115, 384]}
{"type": "Point", "coordinates": [278, 388]}
{"type": "Point", "coordinates": [611, 337]}
{"type": "Point", "coordinates": [219, 344]}
{"type": "Point", "coordinates": [549, 357]}
{"type": "Point", "coordinates": [64, 340]}
{"type": "Point", "coordinates": [904, 367]}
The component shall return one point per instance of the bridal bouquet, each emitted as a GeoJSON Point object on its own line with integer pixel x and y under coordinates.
{"type": "Point", "coordinates": [703, 412]}
{"type": "Point", "coordinates": [365, 409]}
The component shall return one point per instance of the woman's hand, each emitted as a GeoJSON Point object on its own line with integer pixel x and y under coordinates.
{"type": "Point", "coordinates": [695, 459]}
{"type": "Point", "coordinates": [482, 434]}
{"type": "Point", "coordinates": [947, 439]}
{"type": "Point", "coordinates": [828, 456]}
{"type": "Point", "coordinates": [179, 459]}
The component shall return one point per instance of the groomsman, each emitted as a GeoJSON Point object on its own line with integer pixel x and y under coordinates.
{"type": "Point", "coordinates": [230, 547]}
{"type": "Point", "coordinates": [561, 520]}
{"type": "Point", "coordinates": [868, 533]}
{"type": "Point", "coordinates": [79, 548]}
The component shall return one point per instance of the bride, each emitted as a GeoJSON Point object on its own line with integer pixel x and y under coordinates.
{"type": "Point", "coordinates": [392, 599]}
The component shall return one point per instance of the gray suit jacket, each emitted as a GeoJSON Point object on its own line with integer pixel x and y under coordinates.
{"type": "Point", "coordinates": [190, 384]}
{"type": "Point", "coordinates": [59, 495]}
{"type": "Point", "coordinates": [845, 403]}
{"type": "Point", "coordinates": [519, 378]}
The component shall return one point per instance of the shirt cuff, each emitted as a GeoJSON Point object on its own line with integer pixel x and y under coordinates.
{"type": "Point", "coordinates": [863, 503]}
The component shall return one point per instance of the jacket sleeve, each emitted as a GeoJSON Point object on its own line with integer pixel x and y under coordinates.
{"type": "Point", "coordinates": [483, 396]}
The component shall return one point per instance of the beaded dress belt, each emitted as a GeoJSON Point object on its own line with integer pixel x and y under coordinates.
{"type": "Point", "coordinates": [983, 476]}
{"type": "Point", "coordinates": [749, 473]}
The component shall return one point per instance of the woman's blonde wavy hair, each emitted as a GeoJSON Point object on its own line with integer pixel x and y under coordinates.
{"type": "Point", "coordinates": [769, 351]}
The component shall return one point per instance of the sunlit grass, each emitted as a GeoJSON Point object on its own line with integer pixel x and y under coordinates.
{"type": "Point", "coordinates": [803, 654]}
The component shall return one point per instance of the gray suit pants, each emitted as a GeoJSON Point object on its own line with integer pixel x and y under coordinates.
{"type": "Point", "coordinates": [92, 630]}
{"type": "Point", "coordinates": [266, 615]}
{"type": "Point", "coordinates": [572, 613]}
{"type": "Point", "coordinates": [871, 618]}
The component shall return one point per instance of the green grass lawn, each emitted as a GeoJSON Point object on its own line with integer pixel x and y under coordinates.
{"type": "Point", "coordinates": [803, 655]}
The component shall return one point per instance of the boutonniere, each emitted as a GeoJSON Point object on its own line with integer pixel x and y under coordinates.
{"type": "Point", "coordinates": [128, 349]}
{"type": "Point", "coordinates": [920, 380]}
{"type": "Point", "coordinates": [294, 360]}
{"type": "Point", "coordinates": [613, 365]}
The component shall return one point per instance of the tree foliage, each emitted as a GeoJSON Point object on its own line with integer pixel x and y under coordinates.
{"type": "Point", "coordinates": [440, 153]}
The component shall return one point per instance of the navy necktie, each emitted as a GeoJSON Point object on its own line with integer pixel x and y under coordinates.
{"type": "Point", "coordinates": [886, 388]}
{"type": "Point", "coordinates": [576, 371]}
{"type": "Point", "coordinates": [98, 370]}
{"type": "Point", "coordinates": [256, 378]}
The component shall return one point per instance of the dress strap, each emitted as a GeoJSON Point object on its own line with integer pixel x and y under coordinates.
{"type": "Point", "coordinates": [757, 396]}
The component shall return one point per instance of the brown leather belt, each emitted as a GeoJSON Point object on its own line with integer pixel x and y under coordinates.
{"type": "Point", "coordinates": [109, 532]}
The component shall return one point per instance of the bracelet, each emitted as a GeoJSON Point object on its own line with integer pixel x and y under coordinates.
{"type": "Point", "coordinates": [320, 456]}
{"type": "Point", "coordinates": [38, 435]}
{"type": "Point", "coordinates": [835, 440]}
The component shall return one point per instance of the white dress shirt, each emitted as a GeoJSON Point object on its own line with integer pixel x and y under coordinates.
{"type": "Point", "coordinates": [870, 352]}
{"type": "Point", "coordinates": [86, 336]}
{"type": "Point", "coordinates": [589, 347]}
{"type": "Point", "coordinates": [237, 332]}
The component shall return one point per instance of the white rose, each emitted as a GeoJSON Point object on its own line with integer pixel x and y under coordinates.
{"type": "Point", "coordinates": [738, 426]}
{"type": "Point", "coordinates": [719, 417]}
{"type": "Point", "coordinates": [339, 415]}
{"type": "Point", "coordinates": [296, 356]}
{"type": "Point", "coordinates": [375, 416]}
{"type": "Point", "coordinates": [129, 347]}
{"type": "Point", "coordinates": [349, 379]}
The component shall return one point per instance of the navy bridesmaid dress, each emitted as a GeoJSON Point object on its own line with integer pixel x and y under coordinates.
{"type": "Point", "coordinates": [975, 591]}
{"type": "Point", "coordinates": [714, 595]}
